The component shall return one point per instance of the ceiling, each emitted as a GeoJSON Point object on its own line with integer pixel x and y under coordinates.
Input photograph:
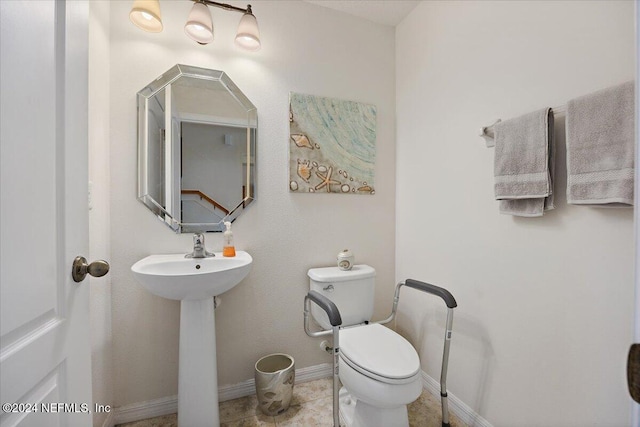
{"type": "Point", "coordinates": [387, 12]}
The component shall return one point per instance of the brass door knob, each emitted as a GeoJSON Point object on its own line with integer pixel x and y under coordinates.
{"type": "Point", "coordinates": [633, 372]}
{"type": "Point", "coordinates": [80, 268]}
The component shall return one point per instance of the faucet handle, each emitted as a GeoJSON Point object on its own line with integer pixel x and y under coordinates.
{"type": "Point", "coordinates": [199, 249]}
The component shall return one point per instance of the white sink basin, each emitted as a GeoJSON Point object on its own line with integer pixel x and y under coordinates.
{"type": "Point", "coordinates": [179, 278]}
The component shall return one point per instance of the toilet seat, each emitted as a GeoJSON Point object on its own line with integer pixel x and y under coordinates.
{"type": "Point", "coordinates": [379, 353]}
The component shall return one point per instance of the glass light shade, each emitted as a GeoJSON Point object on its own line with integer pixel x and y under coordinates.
{"type": "Point", "coordinates": [199, 26]}
{"type": "Point", "coordinates": [145, 14]}
{"type": "Point", "coordinates": [248, 35]}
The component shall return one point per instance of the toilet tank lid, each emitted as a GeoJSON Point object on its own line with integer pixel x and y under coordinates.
{"type": "Point", "coordinates": [334, 274]}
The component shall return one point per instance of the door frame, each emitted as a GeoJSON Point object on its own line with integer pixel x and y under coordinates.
{"type": "Point", "coordinates": [636, 406]}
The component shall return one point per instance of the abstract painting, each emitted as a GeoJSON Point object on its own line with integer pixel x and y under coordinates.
{"type": "Point", "coordinates": [332, 145]}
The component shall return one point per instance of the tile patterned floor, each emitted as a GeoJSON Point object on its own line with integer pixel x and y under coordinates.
{"type": "Point", "coordinates": [310, 407]}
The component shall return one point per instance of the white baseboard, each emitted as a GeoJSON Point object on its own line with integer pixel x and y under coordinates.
{"type": "Point", "coordinates": [149, 409]}
{"type": "Point", "coordinates": [110, 421]}
{"type": "Point", "coordinates": [169, 405]}
{"type": "Point", "coordinates": [456, 406]}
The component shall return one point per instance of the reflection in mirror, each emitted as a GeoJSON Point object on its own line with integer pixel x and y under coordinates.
{"type": "Point", "coordinates": [196, 149]}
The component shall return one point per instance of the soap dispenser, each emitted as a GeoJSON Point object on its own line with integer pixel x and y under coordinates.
{"type": "Point", "coordinates": [228, 249]}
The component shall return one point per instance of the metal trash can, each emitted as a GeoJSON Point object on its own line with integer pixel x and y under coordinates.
{"type": "Point", "coordinates": [275, 375]}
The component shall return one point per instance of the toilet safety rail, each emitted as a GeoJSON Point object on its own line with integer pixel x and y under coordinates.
{"type": "Point", "coordinates": [335, 320]}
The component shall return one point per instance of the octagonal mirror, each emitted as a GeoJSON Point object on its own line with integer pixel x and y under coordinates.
{"type": "Point", "coordinates": [196, 149]}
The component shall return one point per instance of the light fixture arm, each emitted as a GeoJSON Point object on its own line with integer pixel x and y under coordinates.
{"type": "Point", "coordinates": [225, 6]}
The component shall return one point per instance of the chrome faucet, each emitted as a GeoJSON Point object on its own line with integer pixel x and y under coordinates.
{"type": "Point", "coordinates": [199, 250]}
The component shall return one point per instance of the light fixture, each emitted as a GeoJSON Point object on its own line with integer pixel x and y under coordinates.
{"type": "Point", "coordinates": [248, 35]}
{"type": "Point", "coordinates": [199, 26]}
{"type": "Point", "coordinates": [146, 15]}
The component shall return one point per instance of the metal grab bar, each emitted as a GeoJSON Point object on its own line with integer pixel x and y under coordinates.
{"type": "Point", "coordinates": [451, 303]}
{"type": "Point", "coordinates": [421, 286]}
{"type": "Point", "coordinates": [327, 305]}
{"type": "Point", "coordinates": [335, 320]}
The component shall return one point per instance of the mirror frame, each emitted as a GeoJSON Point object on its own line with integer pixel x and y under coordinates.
{"type": "Point", "coordinates": [144, 96]}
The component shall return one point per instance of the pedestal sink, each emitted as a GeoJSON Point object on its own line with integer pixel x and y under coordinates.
{"type": "Point", "coordinates": [194, 281]}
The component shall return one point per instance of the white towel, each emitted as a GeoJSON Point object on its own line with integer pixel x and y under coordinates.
{"type": "Point", "coordinates": [600, 147]}
{"type": "Point", "coordinates": [524, 164]}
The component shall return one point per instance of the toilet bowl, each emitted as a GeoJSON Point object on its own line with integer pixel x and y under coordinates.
{"type": "Point", "coordinates": [380, 371]}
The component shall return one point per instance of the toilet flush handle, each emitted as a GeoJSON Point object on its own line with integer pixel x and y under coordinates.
{"type": "Point", "coordinates": [328, 288]}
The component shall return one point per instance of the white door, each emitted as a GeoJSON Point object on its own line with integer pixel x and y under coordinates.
{"type": "Point", "coordinates": [45, 358]}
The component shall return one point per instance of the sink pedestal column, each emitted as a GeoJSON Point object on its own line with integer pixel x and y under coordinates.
{"type": "Point", "coordinates": [198, 376]}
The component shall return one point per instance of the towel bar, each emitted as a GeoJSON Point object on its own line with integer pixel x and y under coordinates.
{"type": "Point", "coordinates": [487, 133]}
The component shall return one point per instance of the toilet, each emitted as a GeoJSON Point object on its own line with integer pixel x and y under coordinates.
{"type": "Point", "coordinates": [379, 369]}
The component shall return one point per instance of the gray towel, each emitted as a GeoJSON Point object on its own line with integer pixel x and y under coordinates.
{"type": "Point", "coordinates": [524, 164]}
{"type": "Point", "coordinates": [600, 147]}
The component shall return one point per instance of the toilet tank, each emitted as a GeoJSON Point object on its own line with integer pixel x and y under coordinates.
{"type": "Point", "coordinates": [352, 291]}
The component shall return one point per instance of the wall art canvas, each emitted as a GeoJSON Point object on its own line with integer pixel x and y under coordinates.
{"type": "Point", "coordinates": [332, 145]}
